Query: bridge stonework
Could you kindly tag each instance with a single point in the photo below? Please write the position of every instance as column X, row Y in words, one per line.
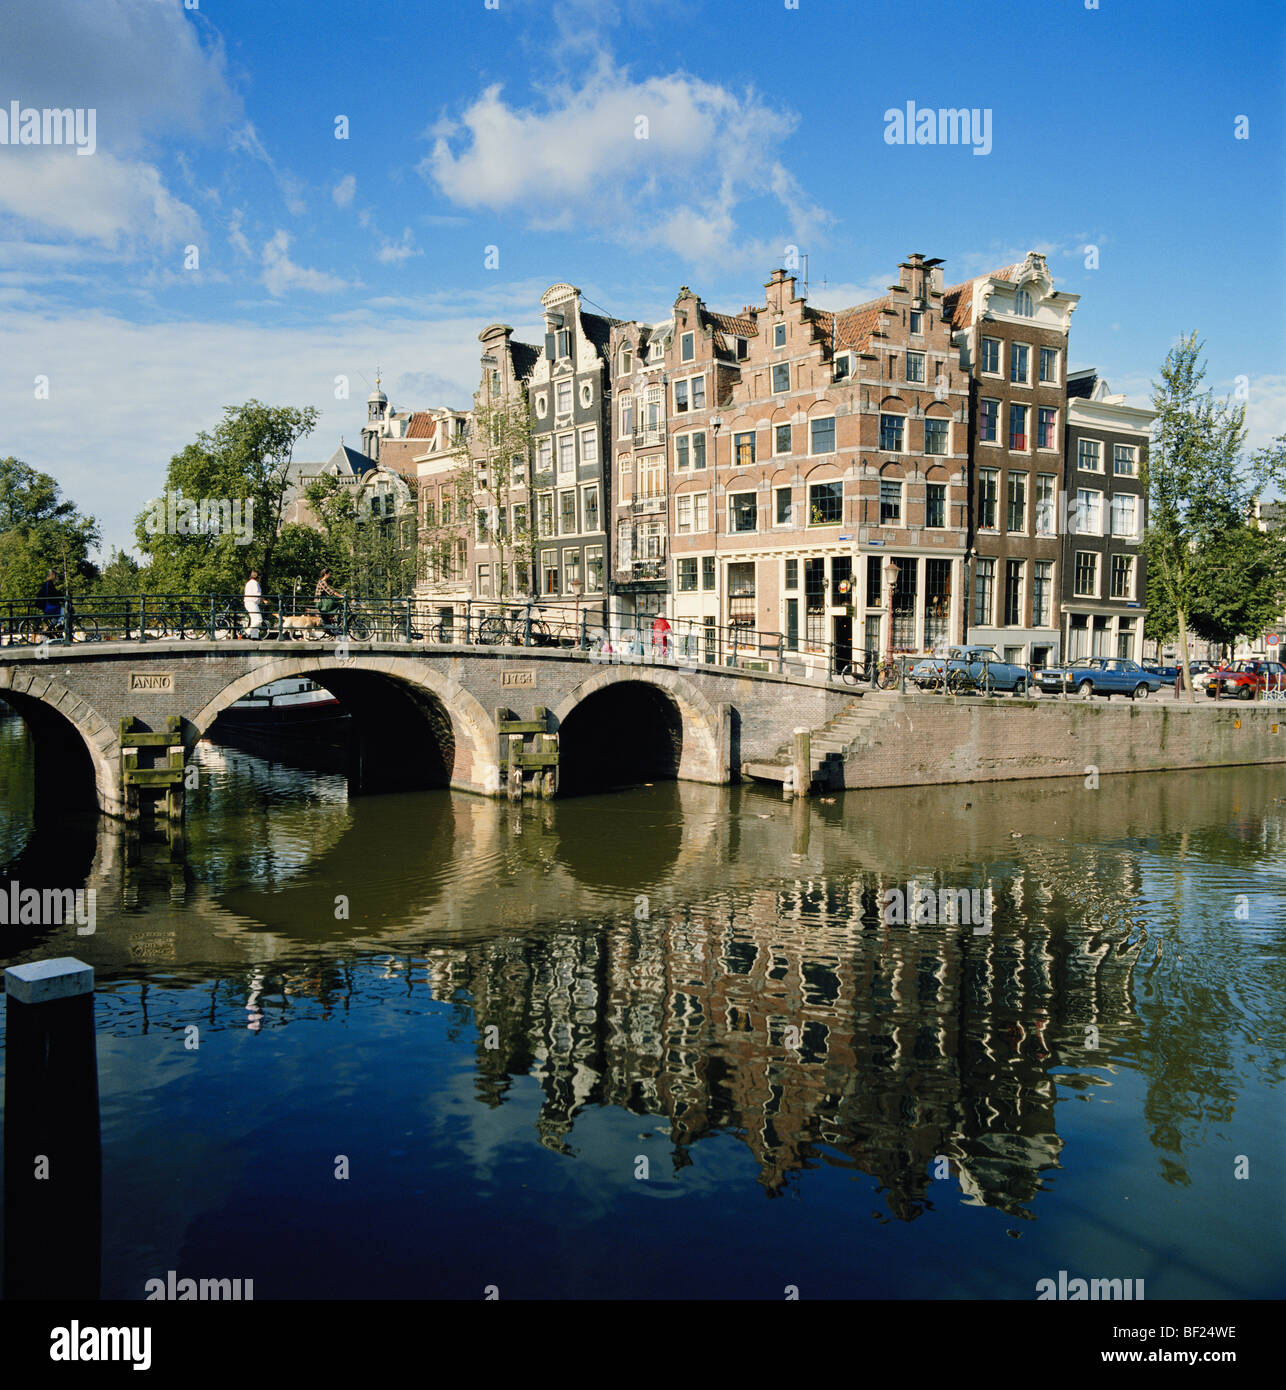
column 727, row 716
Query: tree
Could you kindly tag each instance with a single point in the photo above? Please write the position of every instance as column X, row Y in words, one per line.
column 122, row 574
column 370, row 553
column 1241, row 584
column 237, row 474
column 40, row 531
column 499, row 468
column 1196, row 483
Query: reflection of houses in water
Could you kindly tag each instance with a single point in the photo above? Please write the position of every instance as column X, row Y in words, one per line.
column 800, row 1023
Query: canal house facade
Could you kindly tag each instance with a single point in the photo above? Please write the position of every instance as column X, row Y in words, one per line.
column 1011, row 333
column 1104, row 586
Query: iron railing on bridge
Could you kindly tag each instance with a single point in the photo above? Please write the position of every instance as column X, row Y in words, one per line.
column 284, row 617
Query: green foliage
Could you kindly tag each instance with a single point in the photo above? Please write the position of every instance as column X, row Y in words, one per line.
column 244, row 461
column 1241, row 584
column 39, row 531
column 371, row 555
column 495, row 477
column 122, row 574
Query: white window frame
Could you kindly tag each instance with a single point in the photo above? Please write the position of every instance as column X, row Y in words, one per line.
column 1058, row 366
column 1054, row 432
column 590, row 490
column 817, row 420
column 778, row 335
column 682, row 508
column 1080, row 446
column 1076, row 567
column 589, row 437
column 1133, row 471
column 773, row 369
column 1132, row 499
column 559, row 444
column 687, row 347
column 982, row 356
column 1091, row 510
column 996, row 442
column 922, row 358
column 732, row 499
column 1025, row 379
column 559, row 387
column 1046, row 510
column 1130, row 571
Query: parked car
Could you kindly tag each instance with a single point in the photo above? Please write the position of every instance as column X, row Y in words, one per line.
column 1000, row 675
column 1168, row 674
column 1101, row 675
column 1244, row 680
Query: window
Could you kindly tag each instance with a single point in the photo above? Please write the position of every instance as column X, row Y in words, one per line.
column 781, row 439
column 917, row 321
column 1019, row 363
column 1086, row 574
column 1017, row 508
column 1049, row 366
column 815, row 600
column 915, row 366
column 785, row 511
column 1089, row 456
column 484, row 581
column 984, row 581
column 988, row 419
column 627, row 361
column 549, row 571
column 683, row 513
column 891, row 434
column 502, row 522
column 520, row 519
column 627, row 416
column 779, row 335
column 698, row 393
column 1124, row 460
column 874, row 584
column 1046, row 421
column 742, row 512
column 780, row 378
column 1045, row 520
column 1125, row 639
column 707, row 573
column 624, row 544
column 826, row 504
column 741, row 594
column 430, row 514
column 687, row 347
column 651, row 476
column 822, row 436
column 563, row 398
column 1023, row 304
column 461, row 508
column 1018, row 427
column 544, row 454
column 1122, row 576
column 1013, row 593
column 567, row 513
column 682, row 451
column 571, row 570
column 701, row 512
column 792, row 575
column 589, row 508
column 546, row 514
column 699, row 449
column 1124, row 513
column 566, row 454
column 743, row 349
column 653, row 423
column 1042, row 591
column 890, row 502
column 743, row 449
column 687, row 573
column 680, row 397
column 480, row 522
column 991, row 355
column 935, row 436
column 594, row 569
column 843, row 366
column 1089, row 512
column 988, row 492
column 563, row 343
column 935, row 504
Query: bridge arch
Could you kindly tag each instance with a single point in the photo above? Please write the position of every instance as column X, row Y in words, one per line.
column 391, row 698
column 688, row 729
column 77, row 757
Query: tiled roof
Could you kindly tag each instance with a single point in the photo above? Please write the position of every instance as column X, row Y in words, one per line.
column 598, row 330
column 853, row 327
column 422, row 425
column 957, row 302
column 525, row 357
column 738, row 325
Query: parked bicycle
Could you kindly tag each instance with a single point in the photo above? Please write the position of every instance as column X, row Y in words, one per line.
column 883, row 675
column 45, row 627
column 511, row 629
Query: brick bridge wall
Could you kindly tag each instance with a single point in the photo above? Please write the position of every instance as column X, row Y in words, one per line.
column 727, row 716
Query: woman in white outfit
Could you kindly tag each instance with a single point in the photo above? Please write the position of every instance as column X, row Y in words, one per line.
column 253, row 595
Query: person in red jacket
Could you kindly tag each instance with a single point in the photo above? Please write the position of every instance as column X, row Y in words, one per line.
column 661, row 634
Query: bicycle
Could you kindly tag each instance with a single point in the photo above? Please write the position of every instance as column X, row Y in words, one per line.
column 881, row 674
column 497, row 629
column 44, row 627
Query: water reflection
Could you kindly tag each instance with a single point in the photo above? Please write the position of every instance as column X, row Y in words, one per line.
column 717, row 960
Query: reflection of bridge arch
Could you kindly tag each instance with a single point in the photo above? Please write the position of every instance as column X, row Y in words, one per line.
column 395, row 703
column 681, row 716
column 75, row 747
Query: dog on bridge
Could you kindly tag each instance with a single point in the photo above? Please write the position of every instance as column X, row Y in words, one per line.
column 305, row 624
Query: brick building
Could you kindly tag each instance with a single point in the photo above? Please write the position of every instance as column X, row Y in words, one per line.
column 1011, row 329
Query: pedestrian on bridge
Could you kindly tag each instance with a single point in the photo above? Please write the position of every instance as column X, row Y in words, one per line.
column 253, row 600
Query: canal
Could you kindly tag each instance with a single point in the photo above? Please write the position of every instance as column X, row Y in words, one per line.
column 666, row 1042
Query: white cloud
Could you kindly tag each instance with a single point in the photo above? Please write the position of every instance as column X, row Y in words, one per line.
column 391, row 252
column 344, row 190
column 281, row 274
column 580, row 162
column 101, row 199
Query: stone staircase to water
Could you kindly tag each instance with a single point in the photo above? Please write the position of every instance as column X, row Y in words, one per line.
column 854, row 729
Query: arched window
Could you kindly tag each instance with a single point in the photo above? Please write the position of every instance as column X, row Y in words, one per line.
column 1023, row 304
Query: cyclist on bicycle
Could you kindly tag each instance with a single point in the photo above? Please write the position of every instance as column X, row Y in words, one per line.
column 328, row 599
column 50, row 598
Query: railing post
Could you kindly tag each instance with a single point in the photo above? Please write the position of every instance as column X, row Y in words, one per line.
column 583, row 641
column 526, row 626
column 468, row 621
column 142, row 618
column 211, row 618
column 127, row 620
column 901, row 675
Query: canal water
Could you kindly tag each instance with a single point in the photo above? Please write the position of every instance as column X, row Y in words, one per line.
column 663, row 1043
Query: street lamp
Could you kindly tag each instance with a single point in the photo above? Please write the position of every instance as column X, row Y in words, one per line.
column 890, row 578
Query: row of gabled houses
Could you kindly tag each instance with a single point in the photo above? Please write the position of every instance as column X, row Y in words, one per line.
column 918, row 470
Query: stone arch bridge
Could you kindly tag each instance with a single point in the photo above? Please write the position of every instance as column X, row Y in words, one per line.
column 421, row 716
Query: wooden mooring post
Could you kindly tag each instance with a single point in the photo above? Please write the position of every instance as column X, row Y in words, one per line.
column 802, row 762
column 53, row 1168
column 161, row 784
column 516, row 761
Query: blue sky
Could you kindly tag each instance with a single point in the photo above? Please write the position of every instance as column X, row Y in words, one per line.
column 516, row 128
